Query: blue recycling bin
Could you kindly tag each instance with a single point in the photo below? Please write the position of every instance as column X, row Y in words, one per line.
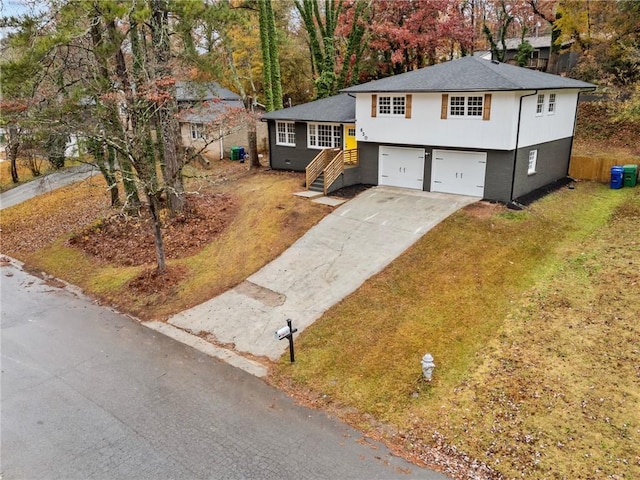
column 617, row 176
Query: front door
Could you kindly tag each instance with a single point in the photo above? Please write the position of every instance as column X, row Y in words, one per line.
column 350, row 142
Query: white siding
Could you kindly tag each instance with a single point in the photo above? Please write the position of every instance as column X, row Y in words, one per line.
column 425, row 127
column 535, row 129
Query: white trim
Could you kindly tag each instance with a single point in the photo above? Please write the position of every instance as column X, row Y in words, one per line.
column 335, row 136
column 397, row 105
column 464, row 105
column 551, row 107
column 196, row 130
column 288, row 134
column 540, row 105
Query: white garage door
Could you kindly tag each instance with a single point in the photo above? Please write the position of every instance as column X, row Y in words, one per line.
column 458, row 172
column 401, row 167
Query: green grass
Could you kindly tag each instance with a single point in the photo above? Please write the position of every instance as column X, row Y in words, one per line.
column 455, row 294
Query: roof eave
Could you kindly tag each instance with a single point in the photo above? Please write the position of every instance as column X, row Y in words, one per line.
column 449, row 90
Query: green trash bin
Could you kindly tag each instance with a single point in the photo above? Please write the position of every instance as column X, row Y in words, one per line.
column 235, row 153
column 630, row 175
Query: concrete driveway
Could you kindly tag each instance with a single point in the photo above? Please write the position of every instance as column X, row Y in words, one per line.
column 354, row 242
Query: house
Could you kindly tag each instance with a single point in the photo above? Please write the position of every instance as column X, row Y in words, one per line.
column 469, row 126
column 209, row 119
column 539, row 59
column 297, row 134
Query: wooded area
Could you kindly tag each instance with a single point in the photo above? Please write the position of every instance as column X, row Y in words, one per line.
column 106, row 71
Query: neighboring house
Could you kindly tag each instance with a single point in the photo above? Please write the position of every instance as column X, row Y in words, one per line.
column 468, row 126
column 539, row 58
column 208, row 119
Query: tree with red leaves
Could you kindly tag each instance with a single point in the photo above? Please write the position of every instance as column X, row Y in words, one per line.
column 411, row 34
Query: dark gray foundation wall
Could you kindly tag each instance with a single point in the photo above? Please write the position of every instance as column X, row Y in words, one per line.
column 497, row 178
column 552, row 164
column 295, row 158
column 290, row 158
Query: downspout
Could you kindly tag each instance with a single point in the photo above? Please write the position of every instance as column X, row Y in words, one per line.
column 515, row 152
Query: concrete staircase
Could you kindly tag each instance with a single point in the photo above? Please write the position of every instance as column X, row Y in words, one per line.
column 318, row 184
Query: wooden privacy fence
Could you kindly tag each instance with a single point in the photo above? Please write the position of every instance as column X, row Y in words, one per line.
column 593, row 168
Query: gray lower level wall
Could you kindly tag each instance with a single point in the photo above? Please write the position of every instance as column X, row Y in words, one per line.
column 350, row 176
column 497, row 179
column 552, row 164
column 290, row 158
column 296, row 158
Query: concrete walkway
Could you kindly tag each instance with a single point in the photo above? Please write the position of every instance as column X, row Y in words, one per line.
column 354, row 242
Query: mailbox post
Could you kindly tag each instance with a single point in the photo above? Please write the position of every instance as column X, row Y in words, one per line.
column 287, row 332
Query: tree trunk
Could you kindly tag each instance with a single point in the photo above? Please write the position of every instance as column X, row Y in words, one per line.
column 252, row 138
column 274, row 57
column 266, row 54
column 154, row 210
column 167, row 108
column 12, row 149
column 105, row 164
column 132, row 199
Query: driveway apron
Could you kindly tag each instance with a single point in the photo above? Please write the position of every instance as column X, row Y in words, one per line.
column 335, row 257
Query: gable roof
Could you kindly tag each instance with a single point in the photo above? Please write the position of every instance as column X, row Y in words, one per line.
column 336, row 109
column 209, row 111
column 195, row 91
column 469, row 74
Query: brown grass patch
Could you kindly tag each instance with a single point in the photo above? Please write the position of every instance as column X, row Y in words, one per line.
column 518, row 309
column 239, row 222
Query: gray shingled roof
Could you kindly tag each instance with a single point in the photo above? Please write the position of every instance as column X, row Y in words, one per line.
column 339, row 109
column 209, row 112
column 469, row 74
column 195, row 91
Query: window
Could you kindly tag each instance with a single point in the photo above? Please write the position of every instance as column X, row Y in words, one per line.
column 533, row 157
column 197, row 131
column 384, row 107
column 552, row 104
column 398, row 105
column 324, row 135
column 466, row 106
column 540, row 105
column 395, row 106
column 286, row 133
column 351, row 131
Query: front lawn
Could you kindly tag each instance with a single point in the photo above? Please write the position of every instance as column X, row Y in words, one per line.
column 532, row 318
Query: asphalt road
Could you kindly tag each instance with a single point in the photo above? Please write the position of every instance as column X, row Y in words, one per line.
column 89, row 394
column 45, row 184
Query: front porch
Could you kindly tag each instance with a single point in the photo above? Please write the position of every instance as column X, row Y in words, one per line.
column 328, row 166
